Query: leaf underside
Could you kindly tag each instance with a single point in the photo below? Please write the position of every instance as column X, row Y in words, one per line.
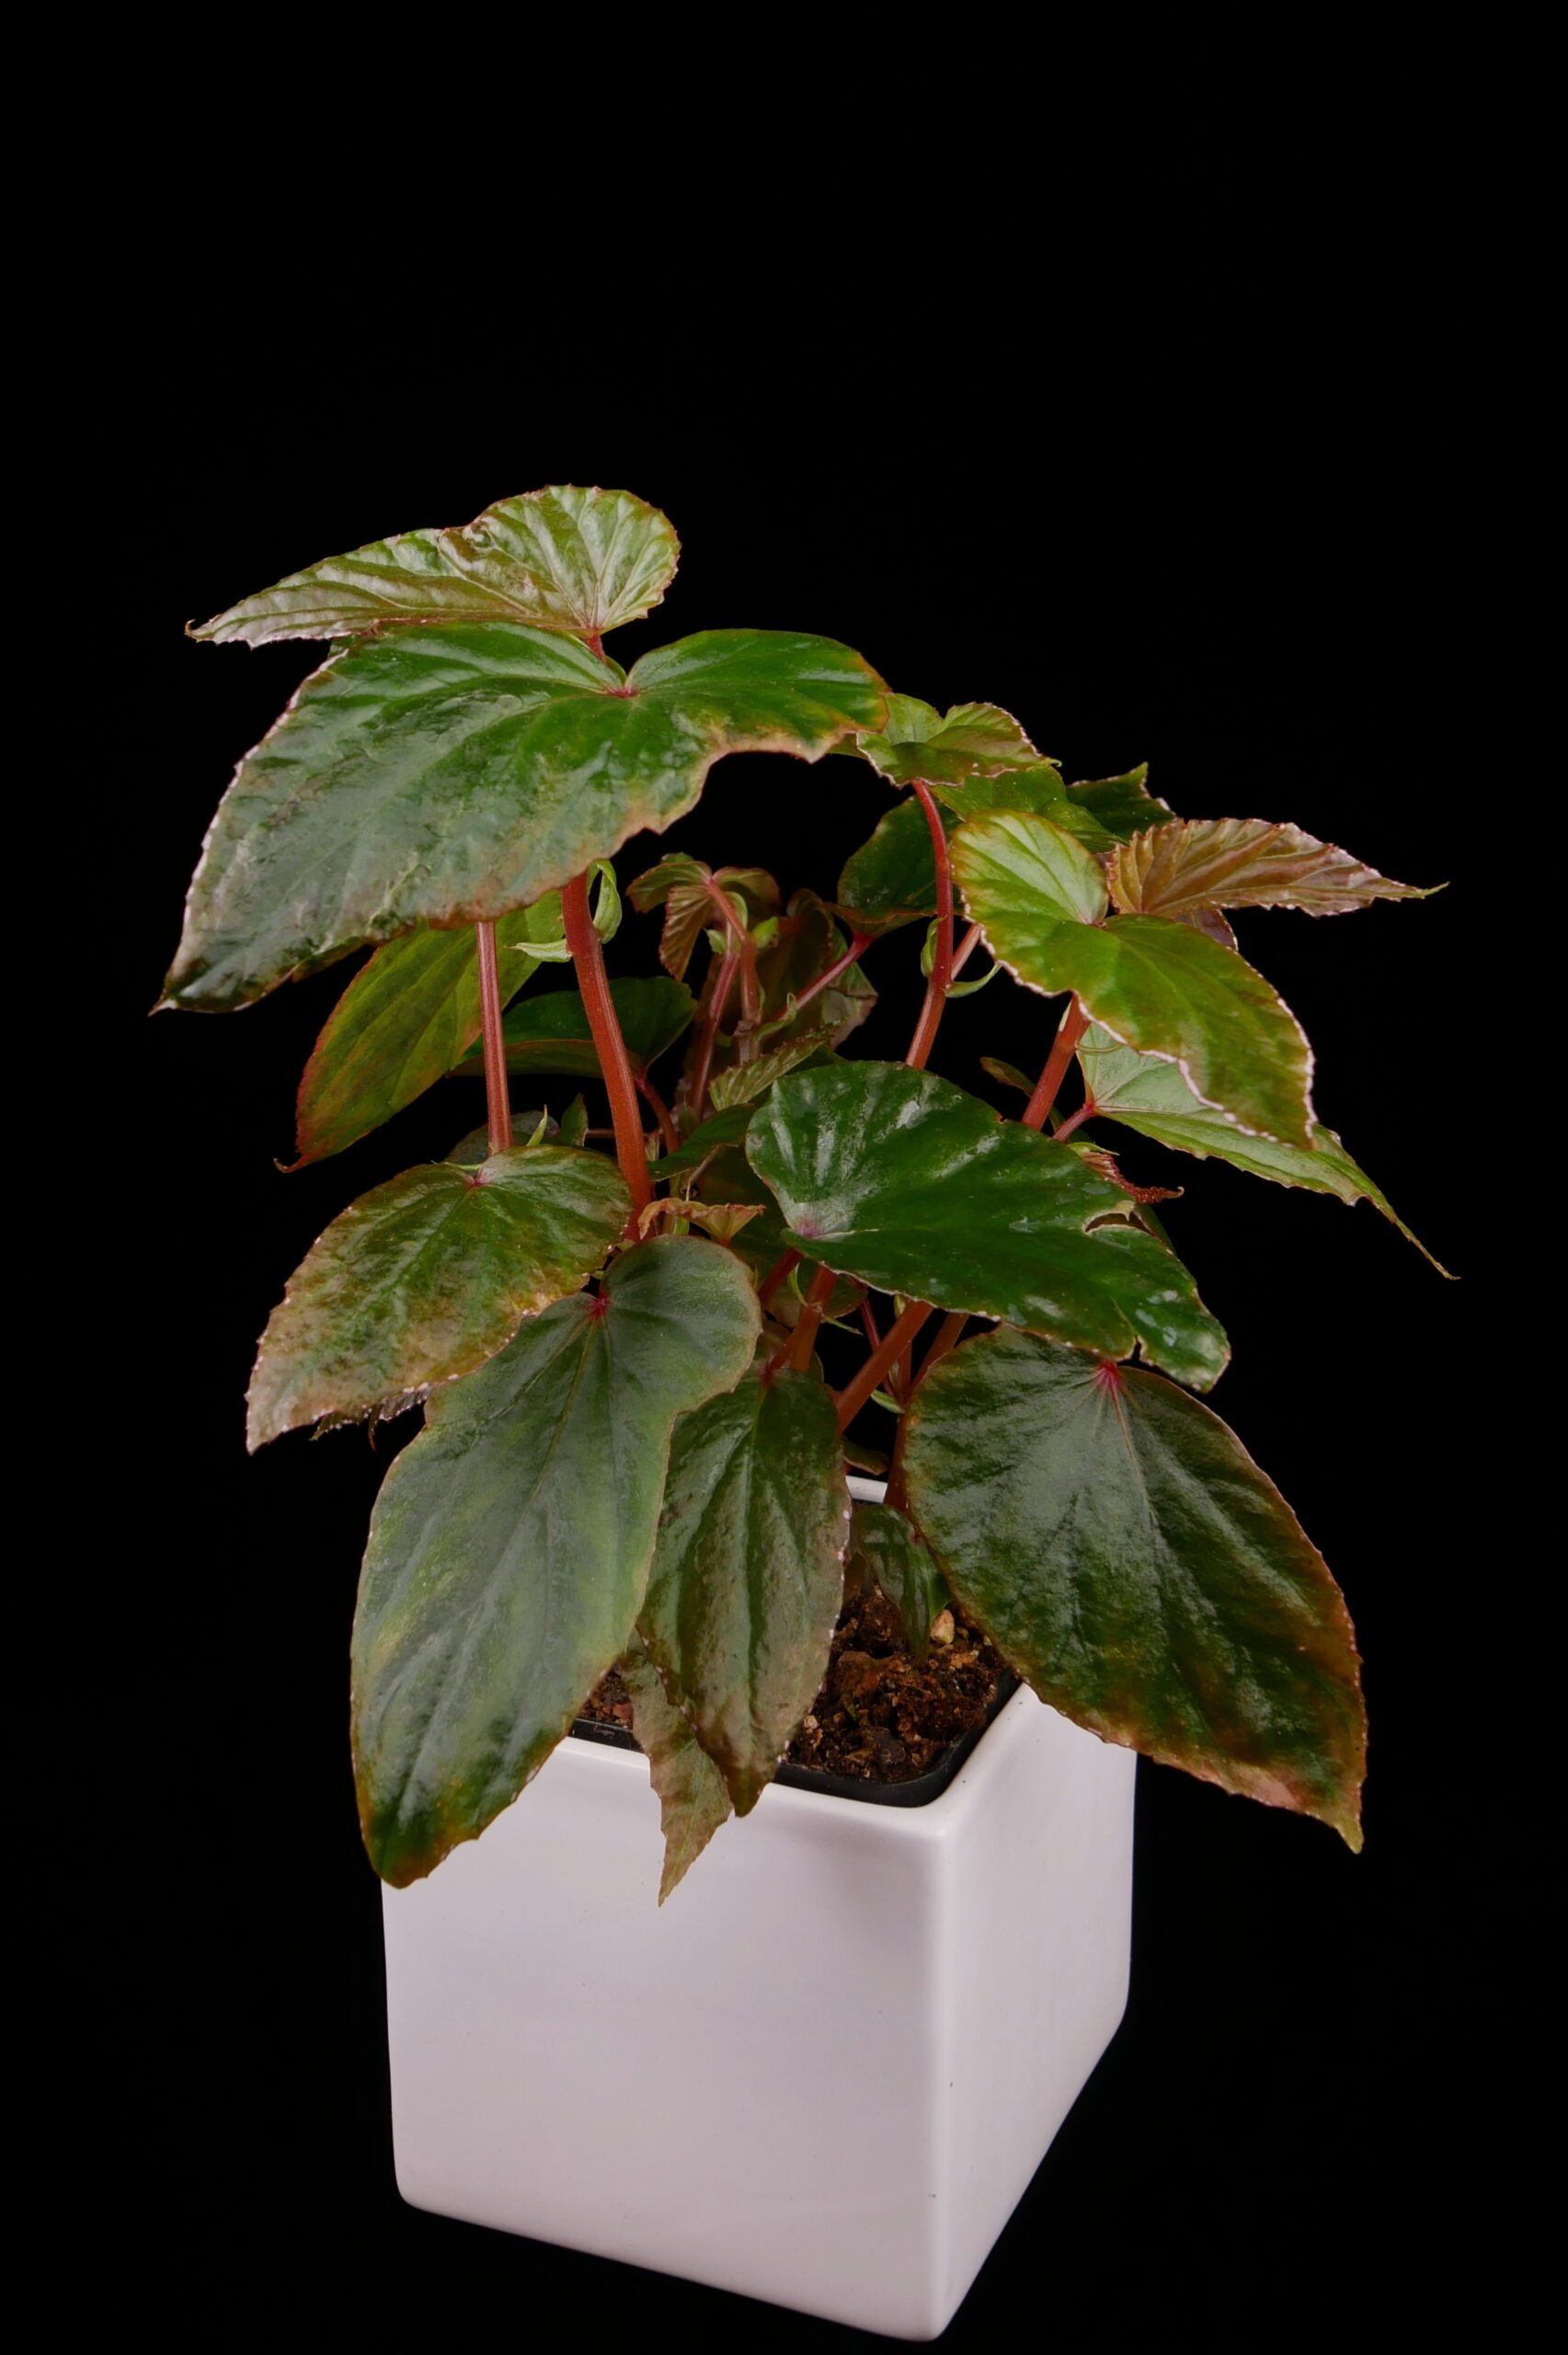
column 900, row 1178
column 1195, row 864
column 1128, row 1558
column 562, row 558
column 692, row 1800
column 444, row 775
column 510, row 1546
column 426, row 1278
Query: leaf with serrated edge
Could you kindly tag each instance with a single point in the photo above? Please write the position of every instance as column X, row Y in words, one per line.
column 401, row 1023
column 426, row 1278
column 886, row 1547
column 692, row 1800
column 679, row 885
column 972, row 739
column 748, row 1573
column 1099, row 813
column 1201, row 862
column 1152, row 1097
column 1159, row 986
column 1125, row 1554
column 444, row 775
column 562, row 558
column 900, row 1178
column 510, row 1546
column 743, row 1082
column 551, row 1034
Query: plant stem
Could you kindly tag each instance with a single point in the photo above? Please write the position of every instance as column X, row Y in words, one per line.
column 746, row 949
column 964, row 951
column 614, row 1064
column 498, row 1098
column 776, row 1275
column 797, row 1352
column 859, row 943
column 942, row 954
column 895, row 1341
column 1064, row 1046
column 1085, row 1111
column 721, row 981
column 948, row 1334
column 660, row 1110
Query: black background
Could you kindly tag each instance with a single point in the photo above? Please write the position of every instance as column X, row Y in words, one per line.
column 1223, row 531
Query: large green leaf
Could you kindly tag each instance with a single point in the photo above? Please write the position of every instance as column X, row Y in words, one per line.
column 1160, row 987
column 886, row 1547
column 510, row 1546
column 1100, row 813
column 560, row 558
column 900, row 1178
column 1152, row 1097
column 692, row 1800
column 1123, row 1551
column 426, row 1277
column 748, row 1574
column 1198, row 864
column 403, row 1021
column 441, row 776
column 972, row 739
column 551, row 1035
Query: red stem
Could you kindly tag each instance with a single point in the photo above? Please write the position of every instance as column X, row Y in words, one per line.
column 859, row 943
column 949, row 1333
column 1064, row 1046
column 710, row 1021
column 746, row 949
column 667, row 1128
column 942, row 954
column 776, row 1276
column 797, row 1350
column 964, row 951
column 895, row 1341
column 613, row 1061
column 1085, row 1111
column 498, row 1098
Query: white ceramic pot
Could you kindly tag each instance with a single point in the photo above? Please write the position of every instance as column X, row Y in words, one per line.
column 822, row 2074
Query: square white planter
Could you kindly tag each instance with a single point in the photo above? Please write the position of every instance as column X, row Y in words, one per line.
column 822, row 2074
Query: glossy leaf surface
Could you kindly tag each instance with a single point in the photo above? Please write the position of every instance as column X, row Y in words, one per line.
column 748, row 1574
column 401, row 1023
column 511, row 1544
column 693, row 1799
column 891, row 880
column 972, row 739
column 439, row 776
column 551, row 1034
column 899, row 1178
column 426, row 1277
column 560, row 558
column 1123, row 1551
column 1159, row 986
column 1100, row 813
column 1198, row 864
column 1152, row 1097
column 886, row 1547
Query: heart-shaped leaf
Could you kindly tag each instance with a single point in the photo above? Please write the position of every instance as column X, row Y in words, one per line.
column 560, row 558
column 1124, row 1552
column 748, row 1573
column 1152, row 1097
column 972, row 739
column 900, row 1178
column 426, row 1277
column 551, row 1034
column 693, row 1799
column 1159, row 986
column 1187, row 868
column 401, row 1023
column 442, row 776
column 886, row 1547
column 511, row 1544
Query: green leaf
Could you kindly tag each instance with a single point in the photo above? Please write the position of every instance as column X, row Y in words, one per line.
column 1123, row 1551
column 899, row 1178
column 972, row 739
column 527, row 1127
column 1159, row 986
column 743, row 1082
column 725, row 1127
column 401, row 1023
column 1152, row 1097
column 574, row 1121
column 511, row 1544
column 693, row 1799
column 1008, row 1074
column 886, row 1547
column 426, row 1278
column 1099, row 814
column 1198, row 864
column 748, row 1574
column 442, row 776
column 806, row 942
column 560, row 558
column 891, row 880
column 551, row 1034
column 685, row 888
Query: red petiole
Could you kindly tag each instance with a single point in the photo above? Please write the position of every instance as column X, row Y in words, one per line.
column 613, row 1061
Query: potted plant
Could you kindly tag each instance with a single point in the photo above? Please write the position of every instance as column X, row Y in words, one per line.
column 636, row 1506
